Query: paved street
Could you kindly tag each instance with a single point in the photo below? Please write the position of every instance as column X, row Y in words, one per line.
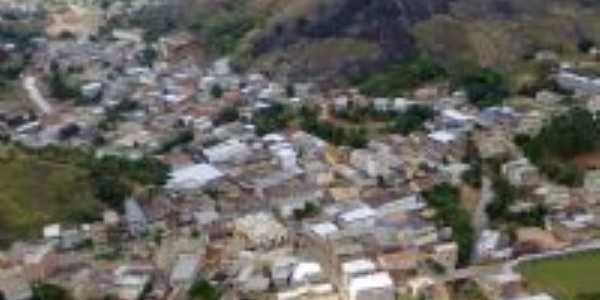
column 29, row 84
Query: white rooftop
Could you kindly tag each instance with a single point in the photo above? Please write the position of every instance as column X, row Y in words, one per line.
column 194, row 176
column 372, row 281
column 304, row 270
column 324, row 229
column 52, row 231
column 358, row 266
column 442, row 136
column 536, row 297
column 273, row 137
column 357, row 214
column 456, row 115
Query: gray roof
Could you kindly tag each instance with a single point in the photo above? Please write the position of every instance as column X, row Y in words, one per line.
column 185, row 269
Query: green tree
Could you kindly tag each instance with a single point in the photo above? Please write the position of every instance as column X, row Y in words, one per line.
column 45, row 291
column 396, row 80
column 203, row 290
column 445, row 200
column 227, row 115
column 62, row 86
column 413, row 119
column 216, row 91
column 148, row 56
column 290, row 91
column 485, row 87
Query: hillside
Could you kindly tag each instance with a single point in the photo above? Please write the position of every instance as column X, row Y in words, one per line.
column 35, row 192
column 322, row 39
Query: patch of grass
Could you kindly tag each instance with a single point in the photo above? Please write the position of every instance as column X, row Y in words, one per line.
column 35, row 192
column 568, row 278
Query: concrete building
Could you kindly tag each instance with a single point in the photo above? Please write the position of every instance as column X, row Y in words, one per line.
column 14, row 285
column 229, row 151
column 131, row 281
column 193, row 177
column 185, row 271
column 260, row 230
column 137, row 222
column 378, row 286
column 521, row 172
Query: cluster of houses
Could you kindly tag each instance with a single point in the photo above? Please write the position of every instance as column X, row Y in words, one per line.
column 286, row 215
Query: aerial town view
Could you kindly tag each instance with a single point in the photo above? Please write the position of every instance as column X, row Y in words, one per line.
column 300, row 149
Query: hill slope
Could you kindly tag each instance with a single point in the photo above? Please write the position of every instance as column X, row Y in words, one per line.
column 35, row 192
column 322, row 39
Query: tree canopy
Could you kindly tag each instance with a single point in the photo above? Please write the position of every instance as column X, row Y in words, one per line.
column 396, row 80
column 484, row 87
column 445, row 200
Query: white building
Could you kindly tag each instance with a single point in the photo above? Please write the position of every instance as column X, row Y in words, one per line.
column 323, row 230
column 306, row 272
column 521, row 172
column 131, row 281
column 193, row 177
column 488, row 242
column 378, row 286
column 229, row 151
column 356, row 268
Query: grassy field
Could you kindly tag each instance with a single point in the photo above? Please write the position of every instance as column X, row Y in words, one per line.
column 34, row 192
column 566, row 278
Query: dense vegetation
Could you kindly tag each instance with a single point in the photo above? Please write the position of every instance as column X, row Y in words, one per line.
column 181, row 138
column 413, row 119
column 203, row 290
column 278, row 117
column 505, row 195
column 396, row 80
column 13, row 63
column 309, row 210
column 273, row 118
column 403, row 122
column 355, row 137
column 63, row 85
column 564, row 137
column 484, row 87
column 227, row 115
column 445, row 200
column 472, row 157
column 45, row 291
column 226, row 28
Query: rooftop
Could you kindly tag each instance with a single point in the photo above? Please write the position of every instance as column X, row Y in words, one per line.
column 194, row 176
column 372, row 281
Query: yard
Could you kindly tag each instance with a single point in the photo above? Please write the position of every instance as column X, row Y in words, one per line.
column 573, row 277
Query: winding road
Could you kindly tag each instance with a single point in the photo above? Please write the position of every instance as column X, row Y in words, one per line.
column 29, row 84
